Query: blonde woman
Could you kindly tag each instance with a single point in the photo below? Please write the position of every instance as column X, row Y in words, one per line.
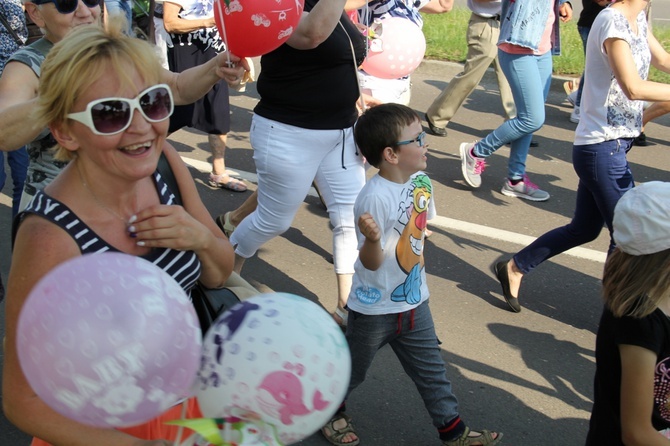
column 102, row 98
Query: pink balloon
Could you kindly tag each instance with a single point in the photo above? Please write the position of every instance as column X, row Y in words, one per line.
column 109, row 340
column 402, row 48
column 277, row 359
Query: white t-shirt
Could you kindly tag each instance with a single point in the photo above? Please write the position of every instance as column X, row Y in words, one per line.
column 401, row 212
column 606, row 113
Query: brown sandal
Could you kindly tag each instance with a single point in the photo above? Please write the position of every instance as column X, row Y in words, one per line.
column 485, row 438
column 336, row 435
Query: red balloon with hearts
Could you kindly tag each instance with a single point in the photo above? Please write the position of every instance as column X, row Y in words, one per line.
column 252, row 28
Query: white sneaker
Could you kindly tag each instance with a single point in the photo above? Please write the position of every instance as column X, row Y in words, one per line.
column 572, row 97
column 574, row 116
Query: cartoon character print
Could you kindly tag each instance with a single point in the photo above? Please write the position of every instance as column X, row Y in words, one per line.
column 662, row 388
column 409, row 250
column 281, row 394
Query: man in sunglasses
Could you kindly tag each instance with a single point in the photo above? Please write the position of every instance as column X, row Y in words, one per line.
column 20, row 80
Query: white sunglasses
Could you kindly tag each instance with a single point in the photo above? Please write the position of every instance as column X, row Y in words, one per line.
column 109, row 116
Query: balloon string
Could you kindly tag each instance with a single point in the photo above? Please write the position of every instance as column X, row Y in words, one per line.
column 180, row 430
column 223, row 31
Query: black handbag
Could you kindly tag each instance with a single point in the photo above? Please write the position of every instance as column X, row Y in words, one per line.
column 209, row 303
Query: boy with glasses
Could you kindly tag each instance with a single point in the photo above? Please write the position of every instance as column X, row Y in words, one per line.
column 388, row 303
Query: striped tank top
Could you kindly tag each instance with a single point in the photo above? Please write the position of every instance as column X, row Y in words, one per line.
column 183, row 266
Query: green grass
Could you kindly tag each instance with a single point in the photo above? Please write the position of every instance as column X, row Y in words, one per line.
column 445, row 40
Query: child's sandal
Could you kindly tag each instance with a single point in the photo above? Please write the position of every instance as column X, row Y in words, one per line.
column 485, row 438
column 335, row 436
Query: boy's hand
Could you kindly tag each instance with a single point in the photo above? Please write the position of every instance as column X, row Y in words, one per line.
column 369, row 228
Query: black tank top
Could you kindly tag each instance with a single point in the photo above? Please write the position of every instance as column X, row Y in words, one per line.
column 183, row 266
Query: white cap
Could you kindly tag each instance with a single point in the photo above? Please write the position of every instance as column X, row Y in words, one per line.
column 642, row 219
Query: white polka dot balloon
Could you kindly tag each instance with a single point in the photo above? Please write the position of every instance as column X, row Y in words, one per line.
column 402, row 48
column 275, row 357
column 109, row 340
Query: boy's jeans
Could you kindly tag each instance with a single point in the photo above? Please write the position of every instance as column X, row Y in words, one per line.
column 417, row 348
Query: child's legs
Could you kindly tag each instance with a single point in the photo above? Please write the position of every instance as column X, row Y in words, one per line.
column 531, row 114
column 419, row 353
column 527, row 78
column 366, row 334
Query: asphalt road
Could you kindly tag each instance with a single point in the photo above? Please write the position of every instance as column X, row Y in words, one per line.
column 528, row 375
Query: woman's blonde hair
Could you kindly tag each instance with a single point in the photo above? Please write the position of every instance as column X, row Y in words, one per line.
column 634, row 285
column 80, row 59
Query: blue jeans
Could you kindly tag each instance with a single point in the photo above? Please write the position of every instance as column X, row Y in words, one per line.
column 417, row 348
column 123, row 8
column 584, row 34
column 18, row 165
column 604, row 176
column 529, row 77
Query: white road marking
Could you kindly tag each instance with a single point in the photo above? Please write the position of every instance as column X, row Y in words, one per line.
column 440, row 222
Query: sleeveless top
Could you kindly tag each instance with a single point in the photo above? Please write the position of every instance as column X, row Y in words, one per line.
column 43, row 167
column 183, row 266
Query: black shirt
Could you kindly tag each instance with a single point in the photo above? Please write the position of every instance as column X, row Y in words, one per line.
column 314, row 89
column 651, row 332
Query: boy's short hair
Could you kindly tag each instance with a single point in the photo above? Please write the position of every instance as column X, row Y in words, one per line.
column 380, row 127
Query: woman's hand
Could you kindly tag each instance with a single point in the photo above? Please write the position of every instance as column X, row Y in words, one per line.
column 231, row 68
column 165, row 226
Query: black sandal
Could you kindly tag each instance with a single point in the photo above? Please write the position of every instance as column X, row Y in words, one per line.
column 336, row 435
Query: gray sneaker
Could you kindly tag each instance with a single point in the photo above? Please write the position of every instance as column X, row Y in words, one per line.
column 525, row 189
column 471, row 166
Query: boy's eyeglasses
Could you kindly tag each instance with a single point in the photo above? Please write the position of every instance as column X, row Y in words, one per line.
column 109, row 116
column 67, row 6
column 420, row 140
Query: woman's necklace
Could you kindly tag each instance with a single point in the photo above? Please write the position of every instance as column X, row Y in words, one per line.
column 95, row 198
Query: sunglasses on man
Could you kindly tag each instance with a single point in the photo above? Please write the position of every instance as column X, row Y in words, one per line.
column 67, row 6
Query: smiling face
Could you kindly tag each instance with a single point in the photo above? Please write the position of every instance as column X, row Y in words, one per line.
column 57, row 25
column 411, row 157
column 132, row 153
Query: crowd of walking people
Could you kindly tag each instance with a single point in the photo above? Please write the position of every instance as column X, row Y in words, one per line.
column 85, row 113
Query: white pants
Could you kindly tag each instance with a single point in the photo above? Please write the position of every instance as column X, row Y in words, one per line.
column 288, row 159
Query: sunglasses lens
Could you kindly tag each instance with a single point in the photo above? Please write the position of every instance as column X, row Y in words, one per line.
column 110, row 116
column 156, row 104
column 66, row 6
column 421, row 139
column 91, row 3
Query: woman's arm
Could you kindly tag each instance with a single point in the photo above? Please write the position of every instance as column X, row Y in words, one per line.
column 192, row 84
column 41, row 246
column 176, row 25
column 18, row 93
column 187, row 228
column 437, row 6
column 623, row 66
column 660, row 58
column 637, row 397
column 317, row 25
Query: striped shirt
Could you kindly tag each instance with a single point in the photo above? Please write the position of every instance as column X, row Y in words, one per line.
column 183, row 266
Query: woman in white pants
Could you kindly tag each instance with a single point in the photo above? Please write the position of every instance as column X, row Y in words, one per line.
column 302, row 131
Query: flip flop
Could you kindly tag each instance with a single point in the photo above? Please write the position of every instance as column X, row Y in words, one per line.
column 233, row 184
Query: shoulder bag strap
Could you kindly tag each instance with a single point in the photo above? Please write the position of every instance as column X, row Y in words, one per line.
column 6, row 24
